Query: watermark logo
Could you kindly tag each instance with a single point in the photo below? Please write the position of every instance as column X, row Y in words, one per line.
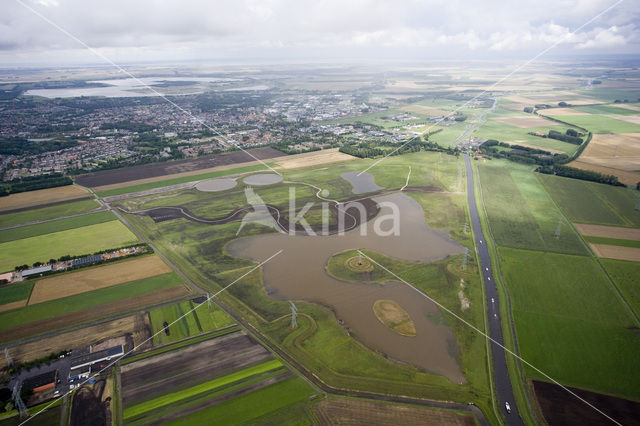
column 329, row 217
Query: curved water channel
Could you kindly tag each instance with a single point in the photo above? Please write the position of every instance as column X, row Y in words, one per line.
column 299, row 273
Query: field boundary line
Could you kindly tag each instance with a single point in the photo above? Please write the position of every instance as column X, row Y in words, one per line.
column 493, row 248
column 494, row 400
column 123, row 70
column 594, row 256
column 450, row 312
column 118, row 358
column 500, row 81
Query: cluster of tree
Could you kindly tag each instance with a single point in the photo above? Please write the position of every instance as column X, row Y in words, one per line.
column 563, row 104
column 528, row 110
column 31, row 183
column 459, row 117
column 369, row 150
column 143, row 248
column 521, row 154
column 17, row 367
column 16, row 146
column 572, row 172
column 128, row 125
column 570, row 136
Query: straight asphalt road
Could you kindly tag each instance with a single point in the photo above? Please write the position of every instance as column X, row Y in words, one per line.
column 500, row 372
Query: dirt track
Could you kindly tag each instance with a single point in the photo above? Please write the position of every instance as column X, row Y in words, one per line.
column 171, row 371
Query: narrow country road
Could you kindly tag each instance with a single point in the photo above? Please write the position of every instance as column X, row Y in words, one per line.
column 500, row 371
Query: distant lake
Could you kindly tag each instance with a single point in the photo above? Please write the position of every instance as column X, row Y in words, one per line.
column 131, row 87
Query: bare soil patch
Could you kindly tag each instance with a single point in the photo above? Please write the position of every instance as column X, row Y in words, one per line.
column 95, row 278
column 13, row 305
column 88, row 407
column 85, row 315
column 151, row 377
column 343, row 411
column 171, row 169
column 393, row 316
column 42, row 196
column 616, row 232
column 617, row 154
column 134, row 328
column 562, row 112
column 526, row 122
column 627, row 106
column 635, row 119
column 313, row 159
column 616, row 252
column 424, row 109
column 559, row 407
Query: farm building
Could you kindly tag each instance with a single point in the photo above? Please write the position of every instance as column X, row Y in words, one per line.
column 35, row 271
column 41, row 382
column 85, row 364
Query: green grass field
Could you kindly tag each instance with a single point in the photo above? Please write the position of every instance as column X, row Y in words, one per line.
column 53, row 308
column 503, row 132
column 174, row 397
column 594, row 203
column 600, row 123
column 605, row 110
column 570, row 321
column 8, row 219
column 83, row 240
column 175, row 181
column 521, row 212
column 55, row 226
column 254, row 405
column 13, row 292
column 188, row 319
column 627, row 277
column 320, row 342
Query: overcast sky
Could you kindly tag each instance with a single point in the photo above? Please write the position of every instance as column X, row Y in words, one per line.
column 298, row 30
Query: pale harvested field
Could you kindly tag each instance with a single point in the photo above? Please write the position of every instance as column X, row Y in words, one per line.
column 551, row 150
column 42, row 196
column 313, row 158
column 616, row 232
column 617, row 154
column 136, row 326
column 175, row 175
column 635, row 119
column 348, row 411
column 423, row 109
column 95, row 278
column 627, row 106
column 13, row 305
column 525, row 122
column 628, row 178
column 522, row 100
column 616, row 252
column 562, row 112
